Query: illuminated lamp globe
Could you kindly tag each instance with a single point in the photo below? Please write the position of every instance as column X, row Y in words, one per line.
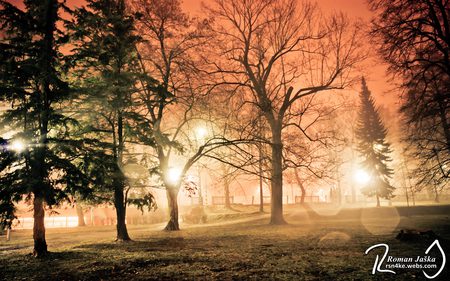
column 362, row 176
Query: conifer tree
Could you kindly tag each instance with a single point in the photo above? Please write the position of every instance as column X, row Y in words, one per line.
column 373, row 147
column 106, row 64
column 37, row 157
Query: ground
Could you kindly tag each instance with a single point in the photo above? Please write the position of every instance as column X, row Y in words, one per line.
column 317, row 244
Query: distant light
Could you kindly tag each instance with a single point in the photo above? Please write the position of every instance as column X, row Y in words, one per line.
column 17, row 146
column 49, row 222
column 173, row 175
column 190, row 178
column 201, row 132
column 362, row 176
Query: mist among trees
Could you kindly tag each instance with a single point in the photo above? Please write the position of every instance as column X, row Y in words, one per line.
column 107, row 101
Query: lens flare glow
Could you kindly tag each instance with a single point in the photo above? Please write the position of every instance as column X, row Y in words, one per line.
column 17, row 146
column 380, row 221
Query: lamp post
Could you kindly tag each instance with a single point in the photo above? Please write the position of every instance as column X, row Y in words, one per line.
column 200, row 135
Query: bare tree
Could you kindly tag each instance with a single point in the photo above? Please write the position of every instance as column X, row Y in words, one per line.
column 283, row 51
column 166, row 55
column 318, row 160
column 183, row 128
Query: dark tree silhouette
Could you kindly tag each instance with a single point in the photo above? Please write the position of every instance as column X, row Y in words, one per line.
column 413, row 37
column 373, row 148
column 36, row 160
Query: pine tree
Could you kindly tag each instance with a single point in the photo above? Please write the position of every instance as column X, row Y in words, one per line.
column 373, row 148
column 38, row 157
column 106, row 58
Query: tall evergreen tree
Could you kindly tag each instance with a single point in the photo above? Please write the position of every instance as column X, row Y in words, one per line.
column 373, row 147
column 106, row 58
column 36, row 158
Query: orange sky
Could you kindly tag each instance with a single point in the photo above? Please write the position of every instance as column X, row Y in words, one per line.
column 375, row 72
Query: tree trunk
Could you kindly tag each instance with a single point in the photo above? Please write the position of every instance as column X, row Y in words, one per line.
column 119, row 187
column 353, row 182
column 406, row 195
column 260, row 163
column 44, row 109
column 276, row 210
column 409, row 183
column 261, row 193
column 302, row 198
column 339, row 189
column 80, row 215
column 40, row 245
column 119, row 204
column 378, row 201
column 413, row 195
column 226, row 186
column 444, row 122
column 436, row 195
column 302, row 187
column 172, row 200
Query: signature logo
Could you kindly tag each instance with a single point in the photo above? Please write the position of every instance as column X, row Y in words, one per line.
column 421, row 262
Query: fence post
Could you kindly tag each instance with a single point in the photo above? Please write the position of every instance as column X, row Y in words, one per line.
column 92, row 215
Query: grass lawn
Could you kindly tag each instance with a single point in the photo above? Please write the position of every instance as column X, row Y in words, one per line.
column 313, row 246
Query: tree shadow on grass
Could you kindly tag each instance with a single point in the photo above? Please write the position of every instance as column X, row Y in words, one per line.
column 164, row 244
column 96, row 262
column 67, row 255
column 61, row 265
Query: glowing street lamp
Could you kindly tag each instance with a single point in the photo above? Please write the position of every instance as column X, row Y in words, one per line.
column 200, row 133
column 362, row 176
column 173, row 175
column 18, row 146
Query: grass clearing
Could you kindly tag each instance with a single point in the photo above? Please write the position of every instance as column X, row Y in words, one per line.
column 310, row 247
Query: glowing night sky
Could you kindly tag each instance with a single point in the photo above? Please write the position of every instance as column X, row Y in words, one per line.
column 374, row 71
